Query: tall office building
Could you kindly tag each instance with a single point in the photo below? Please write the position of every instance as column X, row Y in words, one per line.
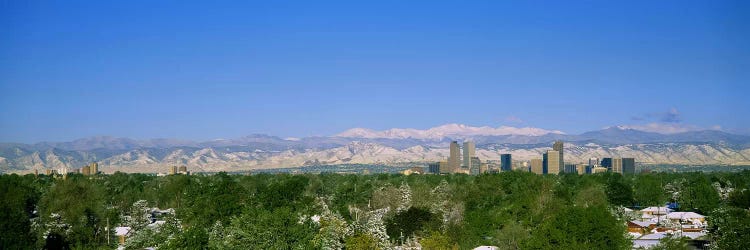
column 445, row 168
column 506, row 163
column 628, row 165
column 454, row 160
column 571, row 168
column 94, row 168
column 558, row 146
column 551, row 162
column 607, row 163
column 617, row 165
column 536, row 166
column 475, row 166
column 86, row 170
column 433, row 168
column 469, row 151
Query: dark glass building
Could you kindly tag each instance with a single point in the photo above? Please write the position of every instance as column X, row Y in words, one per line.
column 506, row 163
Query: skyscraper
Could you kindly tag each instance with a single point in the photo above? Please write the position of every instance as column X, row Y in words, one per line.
column 94, row 168
column 558, row 146
column 433, row 168
column 475, row 166
column 444, row 168
column 536, row 166
column 455, row 157
column 607, row 163
column 551, row 162
column 506, row 163
column 617, row 165
column 628, row 165
column 469, row 152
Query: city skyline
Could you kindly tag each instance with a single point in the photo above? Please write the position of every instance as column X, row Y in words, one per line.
column 320, row 68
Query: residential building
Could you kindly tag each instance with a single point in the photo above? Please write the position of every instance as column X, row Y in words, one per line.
column 506, row 162
column 655, row 211
column 641, row 227
column 122, row 233
column 551, row 162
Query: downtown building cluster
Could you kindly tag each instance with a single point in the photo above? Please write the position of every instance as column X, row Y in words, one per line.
column 89, row 169
column 551, row 162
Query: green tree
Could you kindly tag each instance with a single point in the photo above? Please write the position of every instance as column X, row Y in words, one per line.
column 80, row 204
column 264, row 229
column 618, row 191
column 17, row 203
column 648, row 191
column 437, row 241
column 740, row 198
column 409, row 222
column 699, row 196
column 580, row 228
column 730, row 228
column 361, row 242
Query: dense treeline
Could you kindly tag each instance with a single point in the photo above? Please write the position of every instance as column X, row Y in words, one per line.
column 511, row 210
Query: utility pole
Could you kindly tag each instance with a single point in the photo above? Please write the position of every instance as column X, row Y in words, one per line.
column 107, row 229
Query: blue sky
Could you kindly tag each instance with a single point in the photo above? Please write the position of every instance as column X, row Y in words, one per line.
column 199, row 70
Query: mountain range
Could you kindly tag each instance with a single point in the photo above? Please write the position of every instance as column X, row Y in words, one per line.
column 367, row 146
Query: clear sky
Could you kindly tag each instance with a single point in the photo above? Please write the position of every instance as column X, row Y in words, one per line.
column 142, row 69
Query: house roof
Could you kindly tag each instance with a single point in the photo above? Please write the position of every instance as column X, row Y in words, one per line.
column 122, row 231
column 693, row 235
column 642, row 223
column 684, row 215
column 486, row 248
column 657, row 209
column 653, row 236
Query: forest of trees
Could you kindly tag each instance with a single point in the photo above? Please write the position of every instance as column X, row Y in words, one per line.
column 511, row 210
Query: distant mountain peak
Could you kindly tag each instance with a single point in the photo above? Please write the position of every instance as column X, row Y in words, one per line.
column 445, row 131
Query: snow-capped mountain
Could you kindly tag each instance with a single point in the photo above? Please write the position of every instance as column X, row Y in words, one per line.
column 444, row 131
column 394, row 146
